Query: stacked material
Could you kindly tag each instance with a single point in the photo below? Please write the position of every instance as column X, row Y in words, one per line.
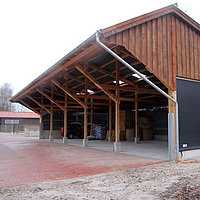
column 130, row 134
column 100, row 132
column 146, row 124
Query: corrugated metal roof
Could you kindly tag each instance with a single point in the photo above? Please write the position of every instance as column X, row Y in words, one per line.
column 9, row 114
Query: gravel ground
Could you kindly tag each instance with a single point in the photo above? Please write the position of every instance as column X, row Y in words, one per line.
column 161, row 181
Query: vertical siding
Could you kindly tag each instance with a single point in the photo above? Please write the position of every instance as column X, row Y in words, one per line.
column 131, row 45
column 149, row 45
column 164, row 54
column 144, row 42
column 126, row 39
column 155, row 46
column 191, row 54
column 160, row 48
column 188, row 51
column 169, row 51
column 151, row 42
column 198, row 54
column 196, row 59
column 178, row 47
column 183, row 54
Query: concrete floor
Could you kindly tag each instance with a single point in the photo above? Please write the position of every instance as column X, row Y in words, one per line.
column 154, row 149
column 148, row 149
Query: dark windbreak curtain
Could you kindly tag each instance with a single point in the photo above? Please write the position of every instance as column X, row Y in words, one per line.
column 188, row 93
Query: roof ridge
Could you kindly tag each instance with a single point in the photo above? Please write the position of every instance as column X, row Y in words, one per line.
column 147, row 17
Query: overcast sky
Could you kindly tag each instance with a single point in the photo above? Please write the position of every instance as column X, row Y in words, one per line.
column 35, row 34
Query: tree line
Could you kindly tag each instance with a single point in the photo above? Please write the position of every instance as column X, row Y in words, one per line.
column 6, row 93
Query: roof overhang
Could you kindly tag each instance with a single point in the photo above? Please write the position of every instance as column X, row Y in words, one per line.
column 101, row 66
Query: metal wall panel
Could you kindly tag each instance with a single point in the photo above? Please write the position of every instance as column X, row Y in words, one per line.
column 188, row 94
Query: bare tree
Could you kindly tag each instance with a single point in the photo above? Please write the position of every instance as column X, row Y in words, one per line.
column 6, row 92
column 20, row 108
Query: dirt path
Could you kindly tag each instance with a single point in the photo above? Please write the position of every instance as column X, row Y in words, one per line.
column 160, row 181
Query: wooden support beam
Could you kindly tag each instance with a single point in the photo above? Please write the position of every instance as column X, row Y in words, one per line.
column 65, row 112
column 136, row 114
column 31, row 98
column 77, row 116
column 172, row 109
column 117, row 104
column 95, row 68
column 107, row 73
column 130, row 74
column 80, row 55
column 91, row 118
column 41, row 122
column 25, row 104
column 102, row 66
column 131, row 89
column 86, row 100
column 110, row 118
column 128, row 53
column 141, row 79
column 117, row 120
column 52, row 101
column 110, row 95
column 147, row 111
column 51, row 115
column 69, row 93
column 81, row 81
column 67, row 66
column 85, row 122
column 93, row 96
column 147, row 85
column 57, row 94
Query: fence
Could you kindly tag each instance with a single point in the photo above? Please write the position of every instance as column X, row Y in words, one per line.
column 27, row 130
column 12, row 128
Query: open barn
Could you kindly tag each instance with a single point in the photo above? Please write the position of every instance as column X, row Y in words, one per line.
column 133, row 75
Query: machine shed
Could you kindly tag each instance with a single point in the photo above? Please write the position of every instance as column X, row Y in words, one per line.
column 162, row 46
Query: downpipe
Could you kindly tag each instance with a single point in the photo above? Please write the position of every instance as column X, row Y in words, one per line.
column 98, row 33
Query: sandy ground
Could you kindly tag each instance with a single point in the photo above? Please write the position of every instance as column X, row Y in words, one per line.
column 161, row 181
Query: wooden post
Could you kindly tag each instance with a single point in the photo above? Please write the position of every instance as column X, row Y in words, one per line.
column 85, row 122
column 41, row 122
column 77, row 115
column 65, row 112
column 147, row 111
column 65, row 122
column 91, row 118
column 117, row 113
column 172, row 109
column 51, row 123
column 85, row 142
column 51, row 117
column 136, row 117
column 41, row 118
column 117, row 107
column 110, row 121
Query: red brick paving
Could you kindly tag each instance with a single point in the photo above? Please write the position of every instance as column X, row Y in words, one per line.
column 26, row 160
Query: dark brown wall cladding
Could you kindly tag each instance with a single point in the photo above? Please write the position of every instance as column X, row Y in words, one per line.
column 153, row 44
column 187, row 51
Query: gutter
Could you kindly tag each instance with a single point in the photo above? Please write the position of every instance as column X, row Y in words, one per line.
column 98, row 34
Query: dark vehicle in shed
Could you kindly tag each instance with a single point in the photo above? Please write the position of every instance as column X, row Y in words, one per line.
column 73, row 129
